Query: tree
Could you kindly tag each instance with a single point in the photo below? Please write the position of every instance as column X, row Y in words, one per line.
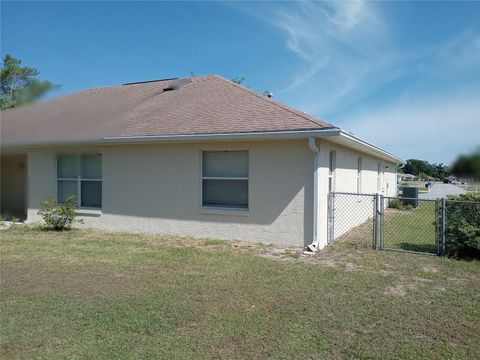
column 467, row 166
column 19, row 84
column 415, row 167
column 440, row 171
column 424, row 169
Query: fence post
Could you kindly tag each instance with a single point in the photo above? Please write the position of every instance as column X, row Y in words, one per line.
column 381, row 217
column 444, row 227
column 376, row 222
column 438, row 237
column 331, row 218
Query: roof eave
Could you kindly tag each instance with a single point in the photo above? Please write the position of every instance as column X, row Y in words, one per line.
column 257, row 135
column 362, row 145
column 336, row 135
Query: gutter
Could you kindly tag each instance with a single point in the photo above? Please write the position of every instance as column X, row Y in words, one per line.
column 296, row 134
column 316, row 168
column 333, row 132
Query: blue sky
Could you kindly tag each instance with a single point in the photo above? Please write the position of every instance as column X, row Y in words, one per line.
column 403, row 75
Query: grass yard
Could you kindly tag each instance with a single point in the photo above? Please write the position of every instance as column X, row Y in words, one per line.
column 412, row 230
column 89, row 294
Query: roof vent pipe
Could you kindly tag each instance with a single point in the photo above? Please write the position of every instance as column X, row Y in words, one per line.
column 268, row 94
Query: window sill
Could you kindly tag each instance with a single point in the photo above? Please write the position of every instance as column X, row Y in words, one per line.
column 223, row 211
column 88, row 212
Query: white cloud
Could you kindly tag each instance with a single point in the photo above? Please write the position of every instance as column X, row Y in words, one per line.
column 459, row 54
column 327, row 35
column 348, row 61
column 344, row 52
column 436, row 129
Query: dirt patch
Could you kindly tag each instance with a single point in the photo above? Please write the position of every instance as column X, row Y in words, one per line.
column 397, row 291
column 384, row 272
column 430, row 269
column 327, row 262
column 353, row 267
column 418, row 279
column 456, row 280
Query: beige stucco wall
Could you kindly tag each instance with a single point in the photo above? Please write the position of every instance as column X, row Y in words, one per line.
column 156, row 188
column 13, row 185
column 351, row 211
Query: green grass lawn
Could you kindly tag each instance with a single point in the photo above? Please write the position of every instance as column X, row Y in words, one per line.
column 87, row 294
column 412, row 230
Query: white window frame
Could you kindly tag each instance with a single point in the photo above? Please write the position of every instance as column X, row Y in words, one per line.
column 224, row 209
column 332, row 169
column 78, row 179
column 359, row 174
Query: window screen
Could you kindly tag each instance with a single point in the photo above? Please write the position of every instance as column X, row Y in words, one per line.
column 225, row 179
column 81, row 176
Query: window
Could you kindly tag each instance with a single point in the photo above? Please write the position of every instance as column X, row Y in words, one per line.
column 359, row 175
column 225, row 179
column 80, row 175
column 379, row 177
column 332, row 164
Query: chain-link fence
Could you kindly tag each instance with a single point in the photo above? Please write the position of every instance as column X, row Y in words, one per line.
column 350, row 217
column 403, row 224
column 409, row 224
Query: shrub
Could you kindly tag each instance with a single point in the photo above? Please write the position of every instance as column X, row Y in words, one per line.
column 463, row 226
column 395, row 204
column 58, row 216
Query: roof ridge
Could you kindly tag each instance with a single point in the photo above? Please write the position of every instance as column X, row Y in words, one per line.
column 148, row 81
column 274, row 102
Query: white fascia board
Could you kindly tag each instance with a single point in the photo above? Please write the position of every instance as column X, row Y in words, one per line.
column 297, row 134
column 112, row 140
column 352, row 141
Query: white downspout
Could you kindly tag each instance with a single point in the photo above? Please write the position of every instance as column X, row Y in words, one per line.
column 316, row 168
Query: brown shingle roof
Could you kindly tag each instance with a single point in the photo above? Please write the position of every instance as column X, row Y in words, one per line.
column 206, row 105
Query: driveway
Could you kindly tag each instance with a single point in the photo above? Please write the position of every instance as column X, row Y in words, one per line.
column 442, row 190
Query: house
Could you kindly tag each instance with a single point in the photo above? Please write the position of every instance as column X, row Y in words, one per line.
column 407, row 177
column 203, row 157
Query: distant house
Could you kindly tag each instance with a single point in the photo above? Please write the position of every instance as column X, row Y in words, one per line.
column 407, row 177
column 203, row 157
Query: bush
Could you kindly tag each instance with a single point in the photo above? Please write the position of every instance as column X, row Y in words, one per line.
column 58, row 216
column 398, row 204
column 463, row 226
column 395, row 204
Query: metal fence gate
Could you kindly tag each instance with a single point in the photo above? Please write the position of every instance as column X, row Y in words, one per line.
column 351, row 216
column 395, row 223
